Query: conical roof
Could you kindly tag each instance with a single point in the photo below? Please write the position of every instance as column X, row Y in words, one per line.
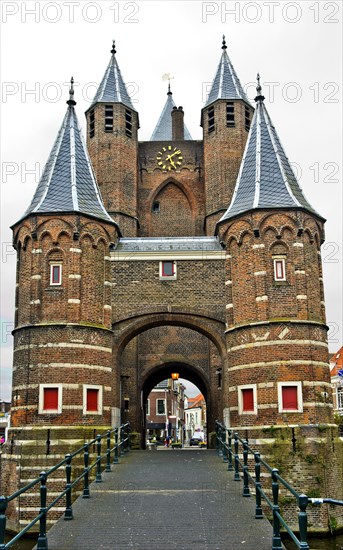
column 163, row 130
column 68, row 183
column 112, row 88
column 226, row 84
column 266, row 179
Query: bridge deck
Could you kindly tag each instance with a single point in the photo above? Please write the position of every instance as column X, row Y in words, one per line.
column 184, row 499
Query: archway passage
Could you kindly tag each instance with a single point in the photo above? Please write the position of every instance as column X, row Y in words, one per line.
column 164, row 402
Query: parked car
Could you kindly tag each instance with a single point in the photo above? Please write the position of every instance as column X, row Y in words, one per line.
column 196, row 439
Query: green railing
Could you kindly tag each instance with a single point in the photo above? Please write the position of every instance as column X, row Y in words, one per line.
column 121, row 438
column 227, row 445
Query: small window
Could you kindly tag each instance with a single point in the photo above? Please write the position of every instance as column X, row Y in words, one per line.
column 147, row 407
column 247, row 119
column 108, row 118
column 290, row 397
column 50, row 399
column 279, row 269
column 92, row 399
column 230, row 114
column 168, row 270
column 128, row 123
column 91, row 124
column 247, row 399
column 210, row 114
column 55, row 274
column 155, row 206
column 160, row 406
column 126, row 404
column 219, row 380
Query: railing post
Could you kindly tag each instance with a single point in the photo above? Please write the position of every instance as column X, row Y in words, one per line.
column 229, row 466
column 217, row 436
column 128, row 446
column 236, row 476
column 122, row 437
column 68, row 513
column 220, row 433
column 246, row 490
column 42, row 541
column 3, row 507
column 302, row 518
column 225, row 451
column 108, row 452
column 258, row 508
column 276, row 522
column 98, row 477
column 116, row 453
column 86, row 471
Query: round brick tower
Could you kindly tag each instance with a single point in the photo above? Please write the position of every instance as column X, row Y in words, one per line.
column 112, row 128
column 275, row 318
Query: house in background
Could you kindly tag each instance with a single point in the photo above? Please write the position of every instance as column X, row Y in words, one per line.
column 5, row 415
column 165, row 411
column 336, row 372
column 195, row 415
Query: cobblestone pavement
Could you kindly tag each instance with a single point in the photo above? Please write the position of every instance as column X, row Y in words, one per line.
column 164, row 500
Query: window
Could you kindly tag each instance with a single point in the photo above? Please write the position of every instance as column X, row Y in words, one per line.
column 290, row 397
column 168, row 270
column 108, row 118
column 247, row 399
column 247, row 119
column 50, row 399
column 210, row 114
column 147, row 407
column 340, row 398
column 56, row 274
column 230, row 114
column 92, row 399
column 279, row 269
column 219, row 379
column 160, row 406
column 91, row 124
column 128, row 123
column 126, row 404
column 155, row 206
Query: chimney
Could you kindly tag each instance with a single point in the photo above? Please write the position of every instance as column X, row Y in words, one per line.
column 177, row 124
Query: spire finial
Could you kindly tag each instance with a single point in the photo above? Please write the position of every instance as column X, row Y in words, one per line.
column 259, row 96
column 224, row 46
column 169, row 90
column 113, row 51
column 71, row 93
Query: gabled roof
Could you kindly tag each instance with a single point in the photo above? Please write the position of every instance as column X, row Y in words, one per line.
column 68, row 183
column 163, row 130
column 266, row 179
column 226, row 84
column 336, row 362
column 112, row 88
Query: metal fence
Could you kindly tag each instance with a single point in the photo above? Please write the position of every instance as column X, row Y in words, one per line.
column 228, row 446
column 121, row 439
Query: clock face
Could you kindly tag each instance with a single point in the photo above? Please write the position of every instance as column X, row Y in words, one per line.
column 169, row 158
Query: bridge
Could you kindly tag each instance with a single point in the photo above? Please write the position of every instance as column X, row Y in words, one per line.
column 174, row 498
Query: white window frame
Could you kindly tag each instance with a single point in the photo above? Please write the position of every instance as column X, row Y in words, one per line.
column 52, row 265
column 41, row 409
column 165, row 407
column 339, row 398
column 276, row 260
column 148, row 407
column 281, row 385
column 100, row 405
column 252, row 387
column 168, row 277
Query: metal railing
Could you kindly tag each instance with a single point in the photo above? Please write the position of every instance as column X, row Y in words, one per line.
column 230, row 454
column 121, row 437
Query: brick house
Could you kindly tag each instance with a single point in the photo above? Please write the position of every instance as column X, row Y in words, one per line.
column 336, row 371
column 136, row 259
column 165, row 411
column 195, row 415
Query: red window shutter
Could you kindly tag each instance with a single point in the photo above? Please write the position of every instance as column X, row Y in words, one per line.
column 92, row 399
column 50, row 399
column 248, row 399
column 290, row 398
column 167, row 269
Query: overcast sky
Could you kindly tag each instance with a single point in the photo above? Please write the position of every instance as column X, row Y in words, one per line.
column 296, row 47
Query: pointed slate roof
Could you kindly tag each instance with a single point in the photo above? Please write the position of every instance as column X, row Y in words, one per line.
column 266, row 179
column 163, row 130
column 68, row 183
column 226, row 84
column 112, row 88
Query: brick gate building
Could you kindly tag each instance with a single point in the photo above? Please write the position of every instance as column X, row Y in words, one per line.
column 139, row 258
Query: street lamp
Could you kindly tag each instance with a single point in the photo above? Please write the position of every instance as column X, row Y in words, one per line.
column 175, row 377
